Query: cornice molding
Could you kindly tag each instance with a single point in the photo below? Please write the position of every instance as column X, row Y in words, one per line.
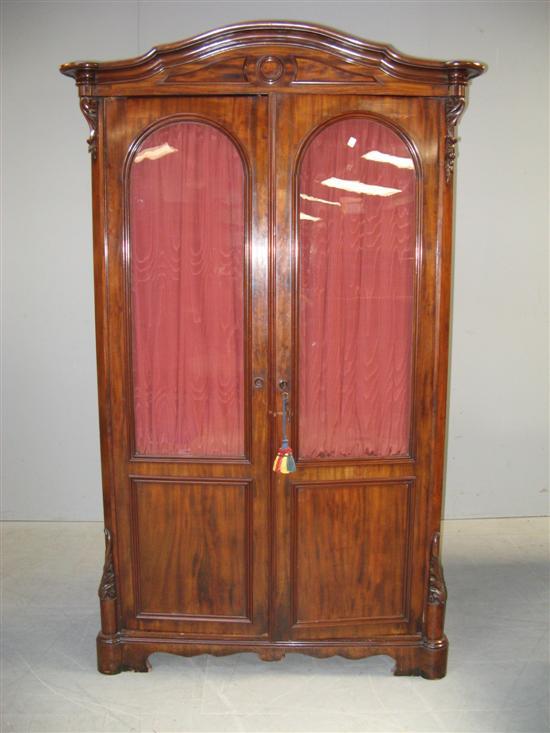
column 243, row 37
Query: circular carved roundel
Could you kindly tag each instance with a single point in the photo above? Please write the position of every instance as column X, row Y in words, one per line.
column 270, row 69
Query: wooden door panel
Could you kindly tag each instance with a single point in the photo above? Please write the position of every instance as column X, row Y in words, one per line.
column 193, row 549
column 350, row 543
column 191, row 485
column 351, row 522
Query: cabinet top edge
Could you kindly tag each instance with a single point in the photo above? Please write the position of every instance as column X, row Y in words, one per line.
column 200, row 51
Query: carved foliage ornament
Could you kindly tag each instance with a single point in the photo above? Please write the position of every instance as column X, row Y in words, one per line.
column 454, row 107
column 89, row 107
column 107, row 586
column 437, row 591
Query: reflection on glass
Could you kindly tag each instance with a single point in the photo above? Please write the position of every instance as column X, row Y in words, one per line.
column 368, row 189
column 357, row 259
column 396, row 160
column 187, row 263
column 320, row 201
column 154, row 153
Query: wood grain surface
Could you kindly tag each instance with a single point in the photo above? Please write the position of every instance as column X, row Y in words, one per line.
column 213, row 553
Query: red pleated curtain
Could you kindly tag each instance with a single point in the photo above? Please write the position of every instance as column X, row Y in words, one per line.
column 187, row 194
column 357, row 234
column 357, row 237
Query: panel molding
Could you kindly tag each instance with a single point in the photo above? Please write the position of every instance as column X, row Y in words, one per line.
column 248, row 486
column 409, row 483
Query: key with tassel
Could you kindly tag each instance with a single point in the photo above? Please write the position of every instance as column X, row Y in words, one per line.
column 284, row 460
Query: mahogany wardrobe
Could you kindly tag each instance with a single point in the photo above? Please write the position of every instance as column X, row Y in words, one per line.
column 272, row 210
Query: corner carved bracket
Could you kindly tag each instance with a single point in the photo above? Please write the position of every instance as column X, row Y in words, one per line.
column 107, row 586
column 89, row 108
column 437, row 590
column 454, row 107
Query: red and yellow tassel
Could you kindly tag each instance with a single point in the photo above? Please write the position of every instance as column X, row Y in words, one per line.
column 284, row 461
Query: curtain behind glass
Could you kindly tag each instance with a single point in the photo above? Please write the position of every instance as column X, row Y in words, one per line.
column 187, row 265
column 357, row 258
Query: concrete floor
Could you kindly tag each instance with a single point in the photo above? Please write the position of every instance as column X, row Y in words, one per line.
column 497, row 623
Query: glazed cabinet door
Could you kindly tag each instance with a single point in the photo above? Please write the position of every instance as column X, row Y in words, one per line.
column 186, row 182
column 357, row 182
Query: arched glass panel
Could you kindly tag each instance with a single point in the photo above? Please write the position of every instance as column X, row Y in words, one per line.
column 187, row 232
column 357, row 234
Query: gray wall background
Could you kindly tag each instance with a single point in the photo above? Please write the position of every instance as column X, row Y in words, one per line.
column 498, row 428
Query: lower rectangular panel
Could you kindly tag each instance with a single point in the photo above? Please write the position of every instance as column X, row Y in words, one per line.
column 350, row 560
column 192, row 549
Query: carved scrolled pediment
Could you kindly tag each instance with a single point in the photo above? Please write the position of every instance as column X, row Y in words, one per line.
column 270, row 69
column 271, row 55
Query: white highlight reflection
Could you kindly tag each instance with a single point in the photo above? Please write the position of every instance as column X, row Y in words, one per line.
column 159, row 151
column 359, row 187
column 351, row 142
column 320, row 201
column 395, row 160
column 307, row 217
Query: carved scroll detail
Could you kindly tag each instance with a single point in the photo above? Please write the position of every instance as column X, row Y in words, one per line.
column 89, row 107
column 437, row 590
column 107, row 586
column 454, row 107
